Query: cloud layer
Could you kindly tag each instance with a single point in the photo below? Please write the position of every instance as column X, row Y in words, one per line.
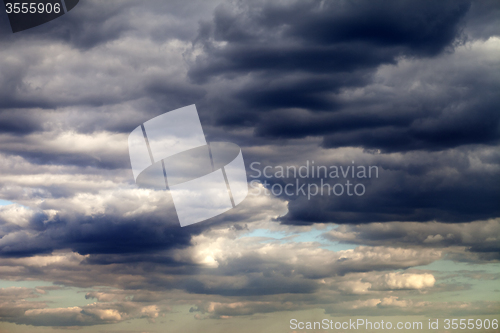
column 410, row 87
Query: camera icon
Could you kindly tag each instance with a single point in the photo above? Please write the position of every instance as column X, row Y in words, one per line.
column 170, row 152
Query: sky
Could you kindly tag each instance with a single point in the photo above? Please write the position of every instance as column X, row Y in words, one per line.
column 409, row 88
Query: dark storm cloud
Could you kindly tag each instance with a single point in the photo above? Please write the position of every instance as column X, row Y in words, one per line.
column 302, row 55
column 324, row 37
column 387, row 78
column 100, row 234
column 469, row 118
column 451, row 204
column 123, row 226
column 455, row 185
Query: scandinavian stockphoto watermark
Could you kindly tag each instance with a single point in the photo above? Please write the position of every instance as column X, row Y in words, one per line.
column 310, row 179
column 170, row 152
column 206, row 179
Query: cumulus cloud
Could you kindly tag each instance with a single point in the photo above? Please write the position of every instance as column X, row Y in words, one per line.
column 93, row 314
column 407, row 281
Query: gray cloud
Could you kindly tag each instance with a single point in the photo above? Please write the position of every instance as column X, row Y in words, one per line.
column 480, row 237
